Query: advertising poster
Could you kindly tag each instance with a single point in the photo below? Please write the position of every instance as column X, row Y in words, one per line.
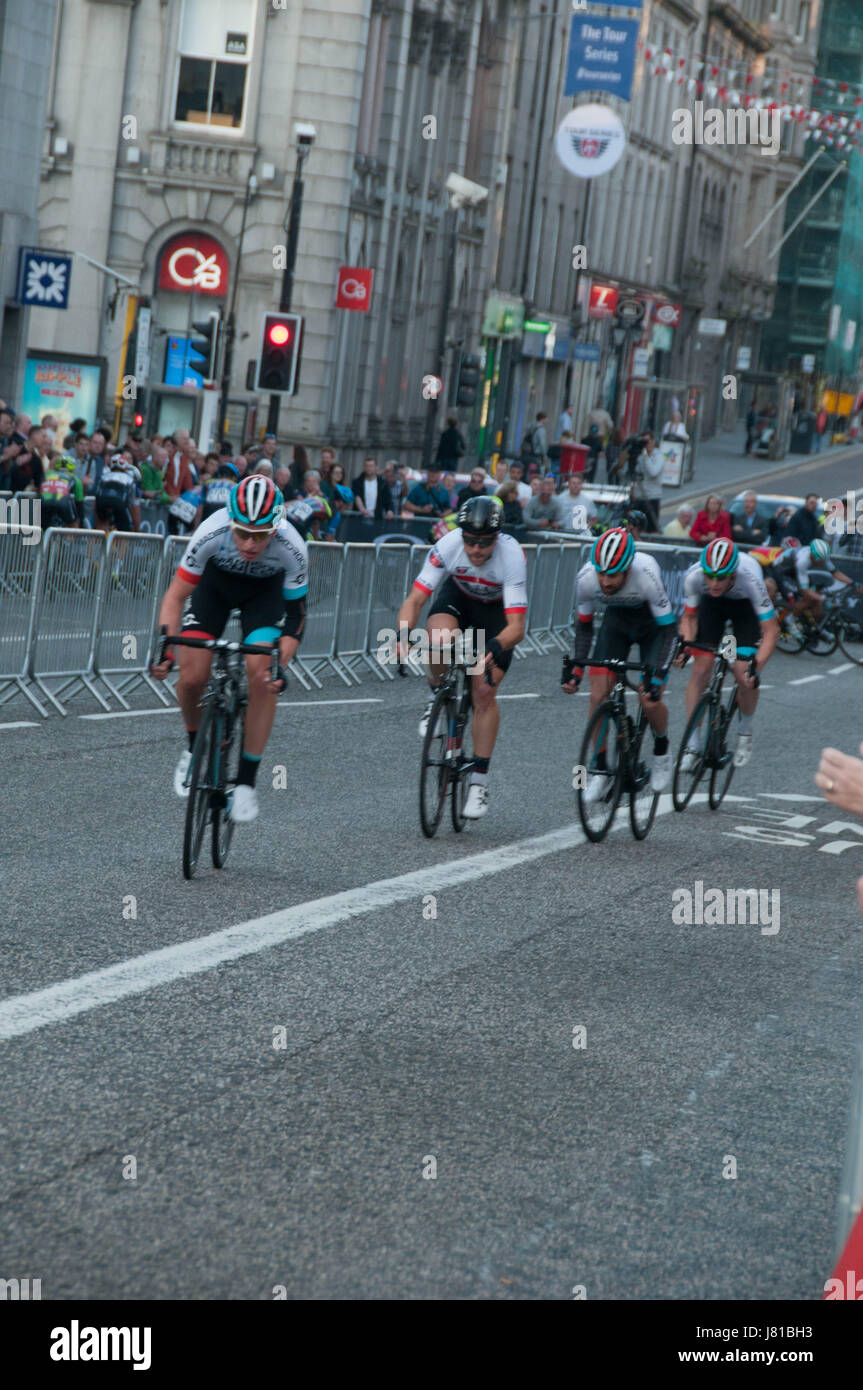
column 67, row 385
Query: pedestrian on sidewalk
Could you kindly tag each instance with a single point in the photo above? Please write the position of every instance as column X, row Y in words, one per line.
column 820, row 428
column 751, row 427
column 647, row 488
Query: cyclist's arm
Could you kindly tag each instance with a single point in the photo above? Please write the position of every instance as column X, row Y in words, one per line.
column 769, row 636
column 689, row 624
column 843, row 578
column 410, row 610
column 513, row 633
column 171, row 613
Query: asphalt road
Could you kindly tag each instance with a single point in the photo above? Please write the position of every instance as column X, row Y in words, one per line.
column 418, row 1028
column 828, row 475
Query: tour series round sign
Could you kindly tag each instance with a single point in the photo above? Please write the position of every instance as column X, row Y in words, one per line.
column 590, row 140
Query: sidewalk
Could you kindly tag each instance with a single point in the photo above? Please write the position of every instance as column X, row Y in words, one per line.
column 720, row 466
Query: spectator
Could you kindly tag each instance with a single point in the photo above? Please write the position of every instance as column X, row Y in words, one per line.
column 593, row 442
column 343, row 501
column 711, row 521
column 751, row 428
column 241, row 464
column 336, row 478
column 804, row 523
column 429, row 498
column 49, row 425
column 226, row 450
column 312, row 481
column 372, row 494
column 564, row 424
column 600, row 417
column 820, row 429
column 208, row 468
column 777, row 530
column 299, row 467
column 475, row 488
column 29, row 464
column 613, row 446
column 674, row 427
column 269, row 450
column 570, row 499
column 402, row 485
column 328, row 458
column 746, row 528
column 283, row 481
column 680, row 527
column 501, row 471
column 151, row 470
column 516, row 473
column 7, row 426
column 448, row 482
column 508, row 494
column 178, row 476
column 12, row 447
column 647, row 489
column 542, row 513
column 534, row 446
column 77, row 427
column 451, row 446
column 264, row 466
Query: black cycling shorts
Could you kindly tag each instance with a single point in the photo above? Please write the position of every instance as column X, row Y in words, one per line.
column 488, row 618
column 112, row 504
column 623, row 628
column 714, row 613
column 260, row 601
column 57, row 512
column 782, row 582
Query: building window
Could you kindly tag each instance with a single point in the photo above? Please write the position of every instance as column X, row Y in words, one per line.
column 803, row 20
column 215, row 47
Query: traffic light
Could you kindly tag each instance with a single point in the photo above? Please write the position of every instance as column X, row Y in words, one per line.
column 203, row 355
column 279, row 357
column 468, row 380
column 138, row 420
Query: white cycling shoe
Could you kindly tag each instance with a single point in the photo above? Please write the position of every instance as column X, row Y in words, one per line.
column 597, row 787
column 181, row 772
column 689, row 760
column 744, row 750
column 476, row 805
column 660, row 772
column 244, row 804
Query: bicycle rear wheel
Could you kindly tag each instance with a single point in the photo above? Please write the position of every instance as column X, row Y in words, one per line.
column 850, row 637
column 435, row 767
column 696, row 738
column 643, row 801
column 600, row 757
column 230, row 746
column 464, row 754
column 791, row 639
column 822, row 640
column 723, row 770
column 198, row 804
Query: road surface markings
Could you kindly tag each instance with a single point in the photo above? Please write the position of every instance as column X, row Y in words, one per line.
column 25, row 1013
column 834, row 670
column 175, row 709
column 518, row 697
column 21, row 724
column 804, row 680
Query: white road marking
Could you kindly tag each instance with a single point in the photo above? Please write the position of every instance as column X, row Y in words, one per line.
column 24, row 1013
column 175, row 709
column 22, row 724
column 518, row 697
column 847, row 666
column 789, row 796
column 804, row 680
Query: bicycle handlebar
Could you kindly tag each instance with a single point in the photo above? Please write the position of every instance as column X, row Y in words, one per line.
column 222, row 644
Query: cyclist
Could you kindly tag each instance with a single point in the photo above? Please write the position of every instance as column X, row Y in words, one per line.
column 216, row 492
column 116, row 495
column 307, row 514
column 61, row 494
column 637, row 610
column 244, row 556
column 477, row 578
column 727, row 586
column 816, row 553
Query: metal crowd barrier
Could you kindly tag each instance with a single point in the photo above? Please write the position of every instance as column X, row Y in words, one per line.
column 79, row 612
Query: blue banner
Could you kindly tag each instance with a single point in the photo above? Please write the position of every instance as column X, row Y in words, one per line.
column 586, row 352
column 601, row 56
column 177, row 370
column 43, row 278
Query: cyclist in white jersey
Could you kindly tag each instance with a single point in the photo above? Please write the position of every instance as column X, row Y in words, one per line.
column 628, row 584
column 477, row 579
column 727, row 586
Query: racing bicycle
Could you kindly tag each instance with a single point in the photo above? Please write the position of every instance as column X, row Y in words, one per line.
column 447, row 763
column 215, row 760
column 706, row 733
column 612, row 749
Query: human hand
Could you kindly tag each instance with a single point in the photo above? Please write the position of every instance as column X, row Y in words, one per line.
column 840, row 778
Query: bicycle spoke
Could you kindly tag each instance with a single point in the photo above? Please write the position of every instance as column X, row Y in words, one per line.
column 642, row 799
column 692, row 754
column 600, row 754
column 436, row 767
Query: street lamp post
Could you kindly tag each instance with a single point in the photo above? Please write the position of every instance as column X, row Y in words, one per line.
column 305, row 134
column 231, row 325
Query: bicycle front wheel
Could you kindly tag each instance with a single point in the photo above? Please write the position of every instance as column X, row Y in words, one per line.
column 850, row 637
column 643, row 800
column 436, row 767
column 603, row 770
column 822, row 641
column 692, row 754
column 791, row 639
column 463, row 756
column 230, row 745
column 723, row 769
column 198, row 804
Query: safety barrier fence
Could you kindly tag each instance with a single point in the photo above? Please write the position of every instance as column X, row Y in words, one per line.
column 79, row 610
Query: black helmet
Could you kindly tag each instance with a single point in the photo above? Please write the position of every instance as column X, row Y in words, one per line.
column 480, row 516
column 637, row 519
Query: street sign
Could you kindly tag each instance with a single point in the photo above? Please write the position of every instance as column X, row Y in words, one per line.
column 43, row 278
column 142, row 345
column 669, row 314
column 586, row 352
column 354, row 288
column 630, row 311
column 641, row 362
column 193, row 263
column 590, row 140
column 744, row 359
column 601, row 56
column 712, row 328
column 807, row 363
column 662, row 337
column 503, row 317
column 603, row 301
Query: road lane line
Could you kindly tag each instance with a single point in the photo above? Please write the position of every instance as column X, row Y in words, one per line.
column 175, row 709
column 847, row 666
column 518, row 697
column 25, row 1013
column 804, row 680
column 22, row 724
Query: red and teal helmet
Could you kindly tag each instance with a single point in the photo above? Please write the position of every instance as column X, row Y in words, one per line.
column 613, row 552
column 256, row 502
column 720, row 558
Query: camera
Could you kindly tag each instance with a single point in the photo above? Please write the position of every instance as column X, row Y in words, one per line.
column 305, row 134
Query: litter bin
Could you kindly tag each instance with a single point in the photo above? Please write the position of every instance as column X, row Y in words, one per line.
column 573, row 458
column 802, row 434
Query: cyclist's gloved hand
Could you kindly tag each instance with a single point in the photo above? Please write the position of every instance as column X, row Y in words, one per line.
column 495, row 651
column 657, row 679
column 571, row 674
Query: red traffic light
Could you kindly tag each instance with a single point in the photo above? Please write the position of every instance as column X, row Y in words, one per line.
column 279, row 334
column 139, row 420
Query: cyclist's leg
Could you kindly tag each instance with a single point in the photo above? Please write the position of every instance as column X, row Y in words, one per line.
column 206, row 616
column 655, row 711
column 747, row 635
column 486, row 712
column 711, row 625
column 262, row 619
column 446, row 617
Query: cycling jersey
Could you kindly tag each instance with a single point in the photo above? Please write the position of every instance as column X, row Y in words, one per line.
column 643, row 586
column 748, row 585
column 503, row 577
column 215, row 495
column 803, row 564
column 304, row 510
column 118, row 486
column 214, row 542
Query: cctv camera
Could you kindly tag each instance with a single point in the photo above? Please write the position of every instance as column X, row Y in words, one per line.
column 305, row 133
column 465, row 190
